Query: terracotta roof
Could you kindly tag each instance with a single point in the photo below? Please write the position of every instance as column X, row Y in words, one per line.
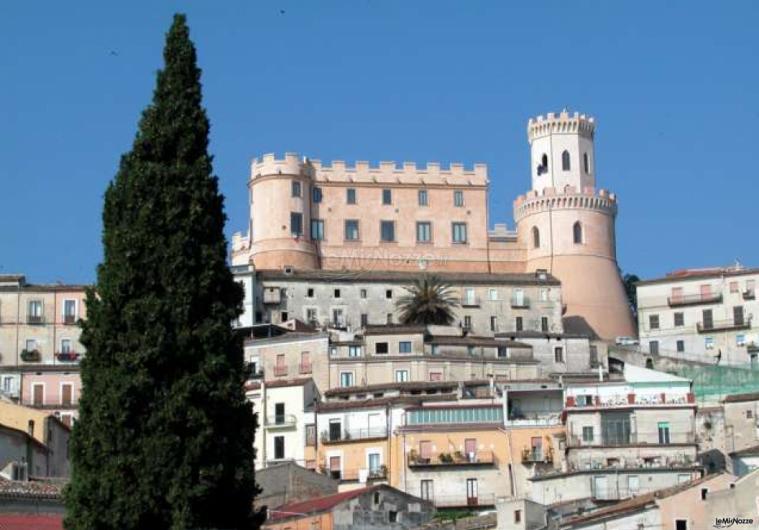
column 737, row 398
column 287, row 382
column 9, row 521
column 317, row 505
column 697, row 274
column 413, row 385
column 32, row 489
column 472, row 340
column 328, row 406
column 406, row 277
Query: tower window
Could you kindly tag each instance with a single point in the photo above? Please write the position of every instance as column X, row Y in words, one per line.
column 577, row 233
column 543, row 167
column 586, row 163
column 295, row 190
column 565, row 161
column 535, row 237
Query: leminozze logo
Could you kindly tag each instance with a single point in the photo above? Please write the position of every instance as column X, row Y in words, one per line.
column 727, row 522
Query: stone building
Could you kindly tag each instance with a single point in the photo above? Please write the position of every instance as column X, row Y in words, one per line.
column 701, row 315
column 305, row 215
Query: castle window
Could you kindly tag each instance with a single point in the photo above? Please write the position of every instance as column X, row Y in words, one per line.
column 458, row 199
column 295, row 189
column 350, row 196
column 423, row 201
column 316, row 194
column 317, row 229
column 565, row 161
column 535, row 237
column 424, row 232
column 296, row 223
column 543, row 167
column 586, row 163
column 351, row 230
column 459, row 232
column 387, row 196
column 387, row 231
column 577, row 233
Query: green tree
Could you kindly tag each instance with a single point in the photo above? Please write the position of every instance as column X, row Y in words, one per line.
column 165, row 435
column 429, row 301
column 629, row 281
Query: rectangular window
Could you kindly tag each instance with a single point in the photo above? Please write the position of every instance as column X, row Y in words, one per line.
column 296, row 223
column 69, row 311
column 653, row 347
column 681, row 524
column 493, row 323
column 346, row 379
column 34, row 312
column 295, row 189
column 336, row 293
column 389, row 319
column 388, row 294
column 709, row 343
column 350, row 196
column 317, row 229
column 679, row 319
column 316, row 194
column 587, row 434
column 633, row 483
column 312, row 315
column 518, row 324
column 364, row 320
column 517, row 516
column 310, row 292
column 279, row 413
column 387, row 196
column 338, row 319
column 544, row 324
column 558, row 354
column 66, row 346
column 351, row 230
column 471, row 492
column 459, row 232
column 363, row 293
column 401, row 376
column 67, row 391
column 387, row 231
column 423, row 198
column 740, row 339
column 493, row 294
column 426, row 490
column 680, row 346
column 467, row 322
column 653, row 321
column 404, row 346
column 423, row 232
column 708, row 319
column 436, row 376
column 38, row 393
column 738, row 315
column 380, row 348
column 458, row 199
column 663, row 428
column 503, row 352
column 733, row 287
column 354, row 351
column 310, row 435
column 279, row 447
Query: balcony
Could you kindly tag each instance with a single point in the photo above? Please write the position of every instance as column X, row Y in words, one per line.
column 35, row 320
column 724, row 325
column 463, row 500
column 281, row 421
column 304, row 368
column 470, row 301
column 534, row 420
column 454, row 459
column 69, row 320
column 628, row 400
column 30, row 356
column 352, row 435
column 640, row 440
column 694, row 299
column 362, row 475
column 536, row 455
column 520, row 303
column 749, row 294
column 280, row 371
column 67, row 356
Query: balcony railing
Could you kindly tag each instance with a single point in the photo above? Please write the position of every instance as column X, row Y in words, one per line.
column 281, row 420
column 69, row 320
column 304, row 368
column 35, row 319
column 694, row 299
column 520, row 303
column 457, row 458
column 348, row 435
column 536, row 455
column 724, row 325
column 67, row 356
column 575, row 441
column 463, row 500
column 535, row 421
column 626, row 400
column 280, row 370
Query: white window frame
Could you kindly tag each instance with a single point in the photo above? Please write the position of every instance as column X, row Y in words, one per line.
column 402, row 379
column 76, row 308
column 352, row 378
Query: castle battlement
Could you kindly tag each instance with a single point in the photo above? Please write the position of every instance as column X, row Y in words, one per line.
column 388, row 172
column 561, row 123
column 568, row 198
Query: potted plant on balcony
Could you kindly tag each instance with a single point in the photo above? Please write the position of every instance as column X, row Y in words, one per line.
column 458, row 456
column 67, row 356
column 30, row 356
column 413, row 456
column 446, row 458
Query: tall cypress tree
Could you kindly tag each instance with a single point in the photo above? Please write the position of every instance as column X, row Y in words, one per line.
column 165, row 435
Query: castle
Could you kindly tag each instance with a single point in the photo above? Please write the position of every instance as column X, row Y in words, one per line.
column 306, row 215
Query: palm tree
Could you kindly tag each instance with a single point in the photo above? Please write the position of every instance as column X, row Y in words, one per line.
column 429, row 301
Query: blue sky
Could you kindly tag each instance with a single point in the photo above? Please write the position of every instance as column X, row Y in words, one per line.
column 673, row 86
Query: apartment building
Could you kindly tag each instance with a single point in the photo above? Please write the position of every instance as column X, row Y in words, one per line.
column 624, row 438
column 701, row 314
column 39, row 322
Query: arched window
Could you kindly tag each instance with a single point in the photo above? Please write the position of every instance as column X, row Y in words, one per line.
column 585, row 163
column 535, row 237
column 565, row 161
column 577, row 233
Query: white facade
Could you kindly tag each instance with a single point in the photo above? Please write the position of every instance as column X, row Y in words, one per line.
column 701, row 315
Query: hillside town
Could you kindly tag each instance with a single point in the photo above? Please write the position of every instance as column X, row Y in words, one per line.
column 411, row 366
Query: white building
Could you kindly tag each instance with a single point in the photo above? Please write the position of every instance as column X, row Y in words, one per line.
column 701, row 314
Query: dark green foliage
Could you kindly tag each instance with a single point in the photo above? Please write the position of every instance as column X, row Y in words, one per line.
column 429, row 301
column 165, row 435
column 629, row 281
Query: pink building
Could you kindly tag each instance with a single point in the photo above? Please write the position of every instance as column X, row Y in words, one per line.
column 54, row 390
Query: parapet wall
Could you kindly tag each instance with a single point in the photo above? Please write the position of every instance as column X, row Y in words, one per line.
column 568, row 198
column 562, row 123
column 338, row 171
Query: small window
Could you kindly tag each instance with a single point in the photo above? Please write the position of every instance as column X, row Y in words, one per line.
column 577, row 233
column 459, row 233
column 493, row 294
column 392, row 516
column 296, row 223
column 346, row 379
column 704, row 493
column 336, row 293
column 733, row 287
column 387, row 231
column 423, row 200
column 535, row 237
column 565, row 165
column 544, row 324
column 740, row 339
column 388, row 293
column 296, row 191
column 493, row 323
column 350, row 196
column 387, row 196
column 681, row 524
column 543, row 167
column 679, row 319
column 317, row 229
column 279, row 447
column 310, row 292
column 283, row 316
column 653, row 347
column 351, row 230
column 653, row 321
column 680, row 346
column 518, row 324
column 423, row 232
column 587, row 434
column 380, row 348
column 709, row 343
column 558, row 354
column 389, row 318
column 749, row 414
column 517, row 516
column 404, row 346
column 376, row 497
column 458, row 199
column 354, row 351
column 364, row 320
column 586, row 163
column 663, row 428
column 363, row 293
column 401, row 376
column 316, row 194
column 467, row 322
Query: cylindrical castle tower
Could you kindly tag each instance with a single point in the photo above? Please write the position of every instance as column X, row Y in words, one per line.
column 280, row 199
column 567, row 226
